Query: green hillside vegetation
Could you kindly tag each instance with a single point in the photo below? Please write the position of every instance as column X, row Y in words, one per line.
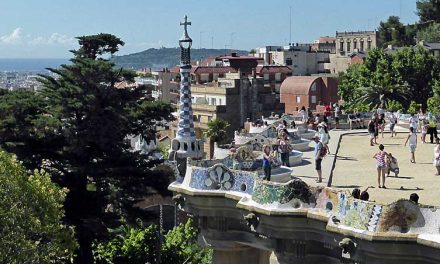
column 166, row 57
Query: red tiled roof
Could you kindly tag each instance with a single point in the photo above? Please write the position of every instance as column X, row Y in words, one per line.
column 273, row 69
column 212, row 69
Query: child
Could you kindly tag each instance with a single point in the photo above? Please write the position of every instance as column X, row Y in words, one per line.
column 412, row 139
column 424, row 128
column 393, row 166
column 267, row 160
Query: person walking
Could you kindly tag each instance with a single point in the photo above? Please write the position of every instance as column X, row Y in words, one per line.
column 432, row 129
column 381, row 123
column 413, row 122
column 412, row 139
column 337, row 113
column 393, row 121
column 267, row 162
column 371, row 131
column 381, row 165
column 319, row 155
column 284, row 148
column 424, row 128
column 324, row 136
column 436, row 162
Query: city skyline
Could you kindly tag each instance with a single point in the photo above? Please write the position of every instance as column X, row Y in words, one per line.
column 47, row 29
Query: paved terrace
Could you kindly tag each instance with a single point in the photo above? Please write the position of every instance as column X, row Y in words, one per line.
column 354, row 167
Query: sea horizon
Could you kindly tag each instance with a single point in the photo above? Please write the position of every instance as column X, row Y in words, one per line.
column 30, row 64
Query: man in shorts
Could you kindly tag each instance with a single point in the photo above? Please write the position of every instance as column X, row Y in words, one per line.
column 318, row 157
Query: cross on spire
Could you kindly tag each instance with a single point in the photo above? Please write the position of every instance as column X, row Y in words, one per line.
column 185, row 24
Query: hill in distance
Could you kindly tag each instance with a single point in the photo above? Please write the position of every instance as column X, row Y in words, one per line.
column 166, row 57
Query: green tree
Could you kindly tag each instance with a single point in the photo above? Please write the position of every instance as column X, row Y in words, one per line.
column 31, row 212
column 413, row 108
column 394, row 106
column 434, row 102
column 430, row 34
column 349, row 82
column 381, row 95
column 408, row 73
column 27, row 128
column 393, row 32
column 142, row 245
column 428, row 10
column 79, row 125
column 216, row 132
column 418, row 68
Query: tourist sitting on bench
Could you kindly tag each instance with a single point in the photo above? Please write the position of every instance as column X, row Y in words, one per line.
column 360, row 120
column 353, row 121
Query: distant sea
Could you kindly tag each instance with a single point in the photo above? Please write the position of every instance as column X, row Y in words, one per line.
column 30, row 65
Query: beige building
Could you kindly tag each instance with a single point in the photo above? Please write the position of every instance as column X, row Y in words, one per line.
column 233, row 98
column 299, row 57
column 348, row 43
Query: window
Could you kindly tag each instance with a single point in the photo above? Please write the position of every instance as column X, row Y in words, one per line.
column 277, row 76
column 266, row 76
column 369, row 44
column 313, row 88
column 288, row 61
column 313, row 99
column 362, row 45
column 348, row 45
column 355, row 46
column 220, row 101
column 341, row 45
column 213, row 101
column 298, row 99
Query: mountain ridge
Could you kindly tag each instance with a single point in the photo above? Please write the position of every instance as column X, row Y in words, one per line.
column 166, row 57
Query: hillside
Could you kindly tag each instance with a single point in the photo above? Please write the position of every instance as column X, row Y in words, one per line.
column 165, row 57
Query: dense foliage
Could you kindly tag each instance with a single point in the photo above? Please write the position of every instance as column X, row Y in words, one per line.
column 430, row 34
column 428, row 10
column 145, row 245
column 408, row 74
column 393, row 32
column 30, row 217
column 78, row 127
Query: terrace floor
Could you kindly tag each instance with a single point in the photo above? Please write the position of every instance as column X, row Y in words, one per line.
column 356, row 168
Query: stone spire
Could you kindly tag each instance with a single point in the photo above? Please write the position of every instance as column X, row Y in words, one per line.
column 185, row 145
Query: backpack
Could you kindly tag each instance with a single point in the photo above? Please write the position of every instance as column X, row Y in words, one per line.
column 322, row 151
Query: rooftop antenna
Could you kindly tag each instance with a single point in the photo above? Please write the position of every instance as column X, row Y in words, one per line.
column 290, row 24
column 232, row 40
column 400, row 9
column 200, row 44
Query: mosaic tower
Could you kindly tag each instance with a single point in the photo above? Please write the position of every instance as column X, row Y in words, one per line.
column 185, row 145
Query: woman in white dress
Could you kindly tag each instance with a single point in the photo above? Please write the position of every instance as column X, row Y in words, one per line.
column 436, row 161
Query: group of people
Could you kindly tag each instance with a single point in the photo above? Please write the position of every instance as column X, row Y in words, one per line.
column 282, row 147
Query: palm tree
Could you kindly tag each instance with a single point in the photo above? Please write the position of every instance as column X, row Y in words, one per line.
column 381, row 94
column 216, row 132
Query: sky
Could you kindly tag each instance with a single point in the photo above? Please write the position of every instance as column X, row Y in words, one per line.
column 47, row 28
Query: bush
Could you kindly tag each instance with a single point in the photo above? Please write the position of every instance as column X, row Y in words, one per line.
column 141, row 245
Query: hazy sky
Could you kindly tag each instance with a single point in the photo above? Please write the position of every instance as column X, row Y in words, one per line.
column 46, row 28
